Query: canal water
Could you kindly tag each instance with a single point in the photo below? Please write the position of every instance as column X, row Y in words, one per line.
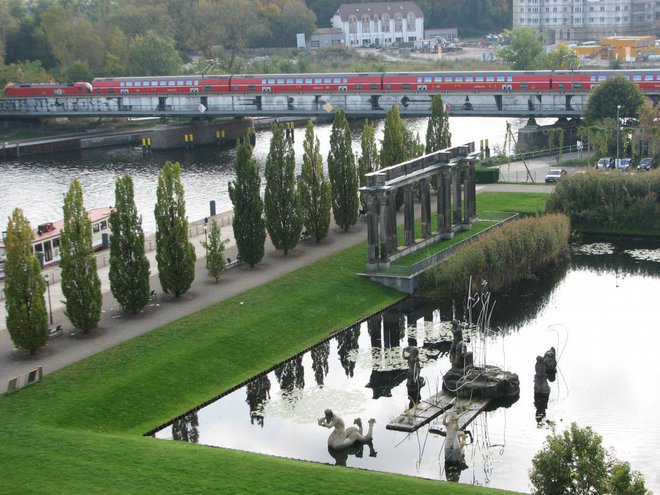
column 598, row 311
column 38, row 184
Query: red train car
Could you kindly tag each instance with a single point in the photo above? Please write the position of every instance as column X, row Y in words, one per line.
column 304, row 83
column 47, row 89
column 162, row 84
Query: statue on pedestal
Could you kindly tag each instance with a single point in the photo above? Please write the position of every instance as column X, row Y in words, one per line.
column 459, row 356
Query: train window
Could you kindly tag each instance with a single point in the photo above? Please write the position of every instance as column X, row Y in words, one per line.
column 577, row 85
column 523, row 85
column 308, row 80
column 138, row 84
column 602, row 78
column 657, row 77
column 637, row 78
column 171, row 83
column 154, row 83
column 459, row 78
column 561, row 85
column 387, row 86
column 122, row 84
column 358, row 86
column 188, row 82
column 196, row 82
column 326, row 80
column 449, row 79
column 179, row 82
column 437, row 78
column 289, row 81
column 406, row 85
column 345, row 80
column 162, row 83
column 373, row 86
column 501, row 78
column 490, row 78
column 129, row 84
column 318, row 80
column 299, row 81
column 480, row 79
column 469, row 78
column 427, row 79
column 419, row 79
column 251, row 87
column 263, row 81
column 337, row 80
column 280, row 81
column 206, row 88
column 509, row 78
column 271, row 81
column 648, row 78
column 592, row 78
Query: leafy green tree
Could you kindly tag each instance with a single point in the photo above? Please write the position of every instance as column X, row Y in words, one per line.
column 604, row 99
column 576, row 463
column 248, row 223
column 369, row 159
column 283, row 221
column 81, row 285
column 315, row 194
column 175, row 255
column 152, row 55
column 561, row 57
column 393, row 149
column 343, row 174
column 215, row 252
column 525, row 51
column 27, row 320
column 295, row 18
column 129, row 266
column 438, row 136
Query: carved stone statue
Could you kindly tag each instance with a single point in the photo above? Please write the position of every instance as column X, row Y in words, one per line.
column 342, row 437
column 550, row 361
column 540, row 377
column 459, row 356
column 454, row 444
column 415, row 381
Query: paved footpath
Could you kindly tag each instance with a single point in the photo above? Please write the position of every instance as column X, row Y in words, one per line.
column 116, row 327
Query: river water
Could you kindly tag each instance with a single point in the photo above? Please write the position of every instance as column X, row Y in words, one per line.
column 599, row 314
column 38, row 184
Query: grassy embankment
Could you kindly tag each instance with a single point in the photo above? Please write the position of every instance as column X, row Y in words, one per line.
column 79, row 431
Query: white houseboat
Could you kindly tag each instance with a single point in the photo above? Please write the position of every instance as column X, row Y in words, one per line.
column 46, row 243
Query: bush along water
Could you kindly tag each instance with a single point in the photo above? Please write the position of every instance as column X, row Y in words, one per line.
column 610, row 203
column 516, row 251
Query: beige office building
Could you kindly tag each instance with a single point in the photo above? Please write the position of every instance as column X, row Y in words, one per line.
column 583, row 20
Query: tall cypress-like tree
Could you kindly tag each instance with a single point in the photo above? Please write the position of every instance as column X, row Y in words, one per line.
column 175, row 255
column 27, row 320
column 81, row 285
column 215, row 252
column 438, row 136
column 129, row 266
column 343, row 174
column 314, row 189
column 394, row 149
column 283, row 220
column 248, row 223
column 369, row 160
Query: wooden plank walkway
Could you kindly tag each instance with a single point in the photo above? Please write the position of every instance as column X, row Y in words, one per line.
column 426, row 411
column 466, row 412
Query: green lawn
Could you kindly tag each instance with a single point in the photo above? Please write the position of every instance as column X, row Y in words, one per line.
column 79, row 431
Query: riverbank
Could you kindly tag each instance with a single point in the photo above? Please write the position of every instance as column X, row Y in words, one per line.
column 79, row 430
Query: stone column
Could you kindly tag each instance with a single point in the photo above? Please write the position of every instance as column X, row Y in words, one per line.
column 456, row 199
column 409, row 215
column 472, row 188
column 383, row 224
column 392, row 243
column 372, row 226
column 466, row 194
column 440, row 202
column 426, row 207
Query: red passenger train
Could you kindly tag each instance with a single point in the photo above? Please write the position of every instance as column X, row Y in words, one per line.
column 446, row 81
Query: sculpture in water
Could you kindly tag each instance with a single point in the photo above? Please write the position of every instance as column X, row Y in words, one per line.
column 415, row 381
column 342, row 437
column 456, row 439
column 459, row 356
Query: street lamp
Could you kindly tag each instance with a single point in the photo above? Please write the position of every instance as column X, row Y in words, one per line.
column 618, row 131
column 50, row 307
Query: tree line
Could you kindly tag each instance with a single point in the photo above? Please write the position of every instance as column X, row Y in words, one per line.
column 76, row 40
column 289, row 204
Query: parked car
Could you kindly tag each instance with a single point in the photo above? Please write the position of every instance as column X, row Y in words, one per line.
column 554, row 175
column 605, row 162
column 646, row 163
column 624, row 164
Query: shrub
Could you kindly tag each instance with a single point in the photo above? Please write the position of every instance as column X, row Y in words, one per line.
column 485, row 175
column 613, row 203
column 514, row 251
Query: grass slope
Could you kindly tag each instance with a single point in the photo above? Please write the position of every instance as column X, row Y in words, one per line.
column 79, row 431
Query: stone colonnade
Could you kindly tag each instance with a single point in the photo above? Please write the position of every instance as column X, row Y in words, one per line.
column 452, row 173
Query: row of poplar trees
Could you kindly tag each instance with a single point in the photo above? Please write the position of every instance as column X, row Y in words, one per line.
column 290, row 204
column 27, row 318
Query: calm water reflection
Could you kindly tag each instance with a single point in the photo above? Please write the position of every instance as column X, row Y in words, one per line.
column 38, row 184
column 598, row 312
